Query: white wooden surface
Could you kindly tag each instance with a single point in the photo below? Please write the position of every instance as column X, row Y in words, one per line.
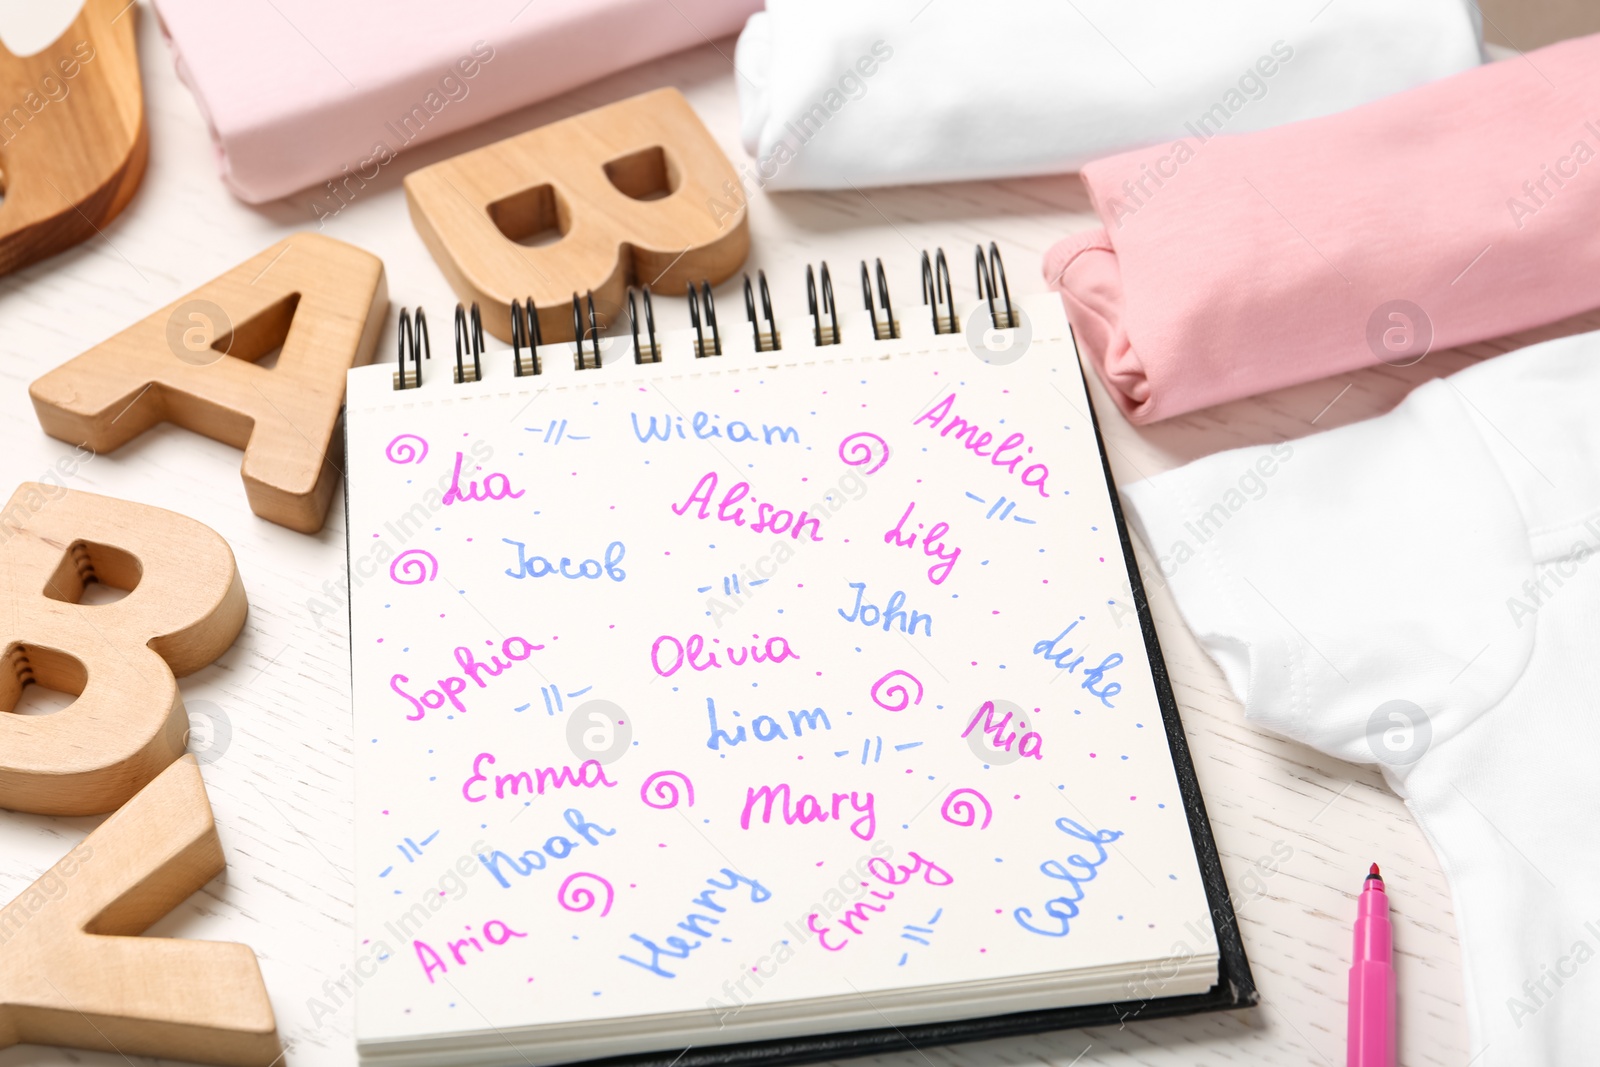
column 280, row 783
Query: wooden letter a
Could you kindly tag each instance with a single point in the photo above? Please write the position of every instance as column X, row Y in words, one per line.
column 76, row 975
column 193, row 363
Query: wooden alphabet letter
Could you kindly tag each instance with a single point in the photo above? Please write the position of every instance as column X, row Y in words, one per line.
column 636, row 191
column 73, row 144
column 77, row 974
column 185, row 605
column 193, row 363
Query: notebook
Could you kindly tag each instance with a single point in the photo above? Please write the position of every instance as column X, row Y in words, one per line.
column 779, row 687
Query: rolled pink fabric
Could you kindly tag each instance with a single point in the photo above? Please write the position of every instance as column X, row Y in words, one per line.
column 1458, row 211
column 300, row 91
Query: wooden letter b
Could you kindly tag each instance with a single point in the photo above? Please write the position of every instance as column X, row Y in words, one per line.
column 635, row 191
column 185, row 605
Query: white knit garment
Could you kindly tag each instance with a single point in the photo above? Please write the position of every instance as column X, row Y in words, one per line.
column 1422, row 590
column 836, row 94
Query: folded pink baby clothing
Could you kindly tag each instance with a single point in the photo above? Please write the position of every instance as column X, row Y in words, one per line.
column 299, row 91
column 1454, row 212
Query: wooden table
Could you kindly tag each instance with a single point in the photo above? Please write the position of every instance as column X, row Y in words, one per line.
column 275, row 708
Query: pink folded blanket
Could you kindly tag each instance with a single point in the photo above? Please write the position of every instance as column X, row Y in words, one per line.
column 300, row 91
column 1457, row 211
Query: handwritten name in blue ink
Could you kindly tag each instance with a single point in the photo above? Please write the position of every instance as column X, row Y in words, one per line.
column 888, row 616
column 703, row 426
column 1067, row 659
column 695, row 922
column 609, row 565
column 763, row 727
column 555, row 847
column 1076, row 871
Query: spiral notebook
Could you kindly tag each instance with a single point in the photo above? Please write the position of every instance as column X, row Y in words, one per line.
column 776, row 687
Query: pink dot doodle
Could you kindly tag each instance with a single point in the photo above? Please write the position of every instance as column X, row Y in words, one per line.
column 581, row 897
column 891, row 693
column 661, row 790
column 958, row 810
column 413, row 567
column 861, row 449
column 406, row 448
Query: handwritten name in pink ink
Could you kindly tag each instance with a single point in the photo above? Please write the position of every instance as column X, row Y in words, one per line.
column 976, row 440
column 413, row 567
column 555, row 847
column 769, row 518
column 763, row 727
column 1076, row 870
column 894, row 874
column 898, row 537
column 451, row 686
column 496, row 486
column 959, row 808
column 590, row 774
column 662, row 790
column 669, row 655
column 861, row 449
column 1029, row 744
column 710, row 906
column 1067, row 659
column 890, row 615
column 494, row 931
column 575, row 893
column 891, row 694
column 807, row 809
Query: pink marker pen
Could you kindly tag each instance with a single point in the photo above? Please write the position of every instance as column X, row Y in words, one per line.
column 1371, row 1039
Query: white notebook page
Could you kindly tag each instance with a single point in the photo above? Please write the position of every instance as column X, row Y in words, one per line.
column 706, row 686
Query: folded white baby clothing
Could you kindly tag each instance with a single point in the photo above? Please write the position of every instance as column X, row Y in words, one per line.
column 1422, row 590
column 836, row 94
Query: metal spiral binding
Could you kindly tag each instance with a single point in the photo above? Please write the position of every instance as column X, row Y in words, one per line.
column 768, row 341
column 988, row 277
column 578, row 334
column 524, row 332
column 470, row 340
column 937, row 294
column 639, row 353
column 415, row 340
column 889, row 330
column 936, row 291
column 819, row 336
column 710, row 316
